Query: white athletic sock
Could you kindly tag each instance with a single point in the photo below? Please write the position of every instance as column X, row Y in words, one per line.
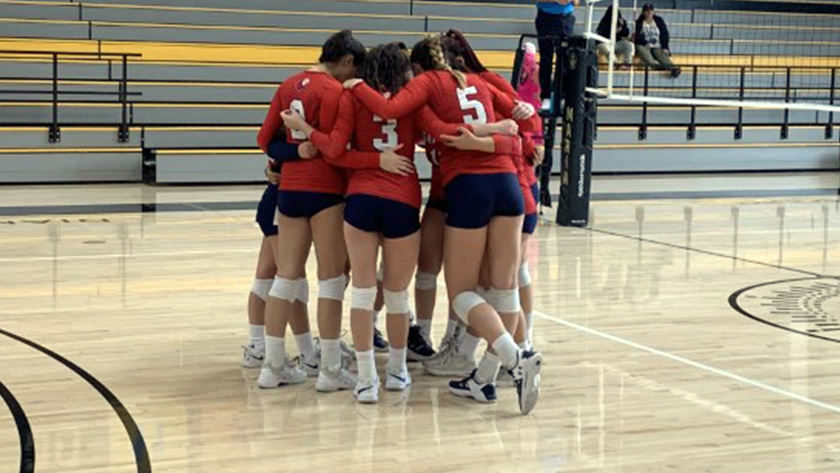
column 396, row 360
column 529, row 327
column 488, row 368
column 257, row 333
column 524, row 345
column 275, row 350
column 469, row 345
column 330, row 354
column 451, row 325
column 366, row 364
column 425, row 327
column 305, row 345
column 376, row 317
column 507, row 350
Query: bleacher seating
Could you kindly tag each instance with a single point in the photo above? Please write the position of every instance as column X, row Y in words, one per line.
column 209, row 68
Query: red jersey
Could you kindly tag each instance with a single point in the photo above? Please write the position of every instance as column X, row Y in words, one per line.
column 372, row 135
column 434, row 151
column 528, row 139
column 440, row 90
column 315, row 95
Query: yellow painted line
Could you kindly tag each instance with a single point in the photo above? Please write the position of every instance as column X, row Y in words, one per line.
column 237, row 11
column 65, row 130
column 202, row 128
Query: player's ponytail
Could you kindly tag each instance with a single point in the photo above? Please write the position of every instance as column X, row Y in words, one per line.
column 429, row 55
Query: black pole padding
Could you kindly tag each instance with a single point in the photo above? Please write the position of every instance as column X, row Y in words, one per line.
column 579, row 128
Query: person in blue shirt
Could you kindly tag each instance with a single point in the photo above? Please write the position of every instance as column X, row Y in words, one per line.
column 554, row 19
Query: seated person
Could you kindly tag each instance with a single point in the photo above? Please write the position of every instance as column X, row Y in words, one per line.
column 652, row 40
column 623, row 46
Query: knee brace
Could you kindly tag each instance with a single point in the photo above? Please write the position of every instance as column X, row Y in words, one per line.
column 425, row 281
column 505, row 301
column 362, row 298
column 464, row 303
column 332, row 288
column 286, row 289
column 303, row 291
column 261, row 287
column 524, row 275
column 396, row 302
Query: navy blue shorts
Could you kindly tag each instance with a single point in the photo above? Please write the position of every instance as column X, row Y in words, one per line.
column 535, row 191
column 266, row 210
column 297, row 204
column 374, row 214
column 437, row 204
column 529, row 225
column 473, row 199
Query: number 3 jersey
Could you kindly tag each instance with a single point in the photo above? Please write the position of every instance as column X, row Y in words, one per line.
column 370, row 135
column 315, row 95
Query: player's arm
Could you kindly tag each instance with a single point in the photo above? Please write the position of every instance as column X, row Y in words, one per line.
column 504, row 106
column 331, row 144
column 271, row 123
column 407, row 100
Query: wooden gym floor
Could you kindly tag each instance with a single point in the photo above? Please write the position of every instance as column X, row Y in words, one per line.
column 679, row 336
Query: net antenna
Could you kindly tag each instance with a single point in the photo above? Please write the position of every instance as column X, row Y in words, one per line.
column 753, row 61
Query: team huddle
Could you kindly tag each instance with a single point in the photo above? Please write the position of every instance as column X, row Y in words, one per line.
column 344, row 133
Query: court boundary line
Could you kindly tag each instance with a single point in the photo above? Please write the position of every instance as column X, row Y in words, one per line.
column 27, row 441
column 692, row 363
column 135, row 436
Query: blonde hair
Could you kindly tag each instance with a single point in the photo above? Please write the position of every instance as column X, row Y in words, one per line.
column 440, row 62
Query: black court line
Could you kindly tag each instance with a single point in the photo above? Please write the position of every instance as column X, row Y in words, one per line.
column 706, row 252
column 141, row 453
column 27, row 443
column 733, row 302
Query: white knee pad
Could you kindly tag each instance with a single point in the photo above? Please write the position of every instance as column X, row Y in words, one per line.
column 396, row 302
column 362, row 298
column 286, row 289
column 261, row 287
column 380, row 272
column 505, row 301
column 425, row 281
column 303, row 291
column 524, row 275
column 464, row 303
column 332, row 288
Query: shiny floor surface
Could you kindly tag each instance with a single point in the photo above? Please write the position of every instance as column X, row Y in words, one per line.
column 679, row 336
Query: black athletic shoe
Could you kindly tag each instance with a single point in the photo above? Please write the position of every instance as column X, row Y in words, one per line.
column 379, row 343
column 419, row 349
column 469, row 387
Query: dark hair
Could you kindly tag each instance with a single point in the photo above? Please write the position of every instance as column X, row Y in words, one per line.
column 429, row 55
column 457, row 45
column 386, row 68
column 340, row 45
column 647, row 7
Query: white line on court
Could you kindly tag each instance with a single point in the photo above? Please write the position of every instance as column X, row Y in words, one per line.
column 125, row 255
column 686, row 361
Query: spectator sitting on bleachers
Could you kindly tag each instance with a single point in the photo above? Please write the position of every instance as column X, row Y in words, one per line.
column 652, row 41
column 623, row 47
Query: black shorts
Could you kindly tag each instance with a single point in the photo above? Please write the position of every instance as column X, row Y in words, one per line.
column 375, row 214
column 297, row 204
column 473, row 199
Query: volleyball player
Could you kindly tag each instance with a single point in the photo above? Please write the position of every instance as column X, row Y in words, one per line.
column 311, row 204
column 484, row 212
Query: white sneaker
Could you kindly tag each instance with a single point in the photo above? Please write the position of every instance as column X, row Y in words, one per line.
column 398, row 381
column 276, row 376
column 253, row 356
column 526, row 378
column 451, row 363
column 331, row 381
column 367, row 392
column 310, row 363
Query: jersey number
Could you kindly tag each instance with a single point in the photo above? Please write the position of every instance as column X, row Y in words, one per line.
column 478, row 115
column 389, row 129
column 297, row 106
